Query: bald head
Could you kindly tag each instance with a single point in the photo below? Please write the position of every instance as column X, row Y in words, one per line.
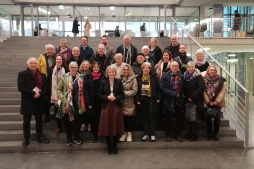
column 174, row 67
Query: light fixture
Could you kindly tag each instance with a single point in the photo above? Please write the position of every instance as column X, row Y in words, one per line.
column 206, row 49
column 60, row 6
column 231, row 55
column 112, row 7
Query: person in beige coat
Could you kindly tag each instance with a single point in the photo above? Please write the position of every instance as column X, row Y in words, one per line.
column 163, row 64
column 87, row 27
column 214, row 96
column 130, row 87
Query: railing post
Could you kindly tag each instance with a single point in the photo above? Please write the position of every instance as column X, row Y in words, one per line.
column 247, row 108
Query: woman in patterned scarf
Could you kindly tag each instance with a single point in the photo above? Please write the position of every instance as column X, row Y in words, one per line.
column 214, row 95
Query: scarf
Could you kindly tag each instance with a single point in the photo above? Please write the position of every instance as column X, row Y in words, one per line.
column 37, row 77
column 56, row 75
column 63, row 50
column 161, row 68
column 174, row 81
column 197, row 63
column 210, row 87
column 96, row 76
column 146, row 88
column 188, row 75
column 73, row 94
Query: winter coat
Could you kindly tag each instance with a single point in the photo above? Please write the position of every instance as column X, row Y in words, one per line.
column 174, row 50
column 130, row 87
column 110, row 53
column 169, row 98
column 136, row 68
column 103, row 60
column 182, row 59
column 26, row 84
column 72, row 59
column 203, row 67
column 75, row 26
column 134, row 52
column 87, row 53
column 66, row 54
column 159, row 67
column 220, row 93
column 157, row 54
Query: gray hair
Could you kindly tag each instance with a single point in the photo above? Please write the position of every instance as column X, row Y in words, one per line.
column 126, row 36
column 200, row 51
column 31, row 58
column 118, row 55
column 48, row 46
column 144, row 47
column 190, row 63
column 73, row 64
column 61, row 40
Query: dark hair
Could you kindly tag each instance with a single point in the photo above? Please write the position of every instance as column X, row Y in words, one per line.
column 64, row 64
column 140, row 54
column 85, row 37
column 105, row 36
column 168, row 52
column 95, row 63
column 236, row 11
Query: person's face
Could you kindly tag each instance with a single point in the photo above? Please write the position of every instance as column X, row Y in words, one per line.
column 126, row 71
column 174, row 41
column 146, row 70
column 63, row 44
column 101, row 50
column 140, row 59
column 153, row 43
column 85, row 66
column 84, row 41
column 96, row 68
column 212, row 71
column 165, row 57
column 190, row 68
column 145, row 51
column 59, row 61
column 127, row 42
column 200, row 57
column 73, row 69
column 111, row 73
column 32, row 65
column 182, row 49
column 104, row 41
column 118, row 60
column 50, row 51
column 76, row 52
column 174, row 67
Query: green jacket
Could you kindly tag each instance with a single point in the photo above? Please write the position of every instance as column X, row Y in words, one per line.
column 62, row 88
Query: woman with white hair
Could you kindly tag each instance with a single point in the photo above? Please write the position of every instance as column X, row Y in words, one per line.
column 145, row 50
column 200, row 62
column 119, row 64
column 70, row 92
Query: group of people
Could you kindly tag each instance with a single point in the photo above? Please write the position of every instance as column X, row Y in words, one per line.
column 109, row 88
column 75, row 29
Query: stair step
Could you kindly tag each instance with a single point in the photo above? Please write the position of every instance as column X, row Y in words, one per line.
column 8, row 84
column 8, row 89
column 10, row 101
column 9, row 108
column 10, row 95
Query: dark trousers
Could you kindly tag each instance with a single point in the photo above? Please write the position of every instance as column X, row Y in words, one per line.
column 58, row 121
column 148, row 117
column 173, row 122
column 95, row 119
column 26, row 125
column 192, row 128
column 72, row 126
column 216, row 124
column 128, row 123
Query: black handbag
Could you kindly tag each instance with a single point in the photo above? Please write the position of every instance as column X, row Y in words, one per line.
column 212, row 112
column 191, row 112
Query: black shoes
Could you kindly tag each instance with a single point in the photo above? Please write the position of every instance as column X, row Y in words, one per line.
column 43, row 140
column 69, row 142
column 216, row 138
column 25, row 142
column 179, row 138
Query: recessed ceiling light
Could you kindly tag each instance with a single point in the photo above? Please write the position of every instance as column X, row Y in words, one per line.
column 112, row 7
column 60, row 6
column 91, row 13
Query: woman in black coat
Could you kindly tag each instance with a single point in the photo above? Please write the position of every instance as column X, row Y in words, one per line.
column 111, row 123
column 92, row 82
column 155, row 50
column 193, row 88
column 33, row 87
column 148, row 98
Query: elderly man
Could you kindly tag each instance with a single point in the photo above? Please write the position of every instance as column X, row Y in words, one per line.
column 128, row 51
column 33, row 87
column 75, row 56
column 63, row 49
column 137, row 65
column 174, row 46
column 101, row 57
column 172, row 95
column 110, row 51
column 86, row 52
column 45, row 62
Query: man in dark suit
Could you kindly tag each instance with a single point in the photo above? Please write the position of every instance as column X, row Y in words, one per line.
column 33, row 87
column 128, row 51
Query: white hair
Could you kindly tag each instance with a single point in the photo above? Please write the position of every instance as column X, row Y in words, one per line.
column 73, row 64
column 31, row 58
column 48, row 46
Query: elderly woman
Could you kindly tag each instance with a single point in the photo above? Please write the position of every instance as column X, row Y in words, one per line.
column 118, row 65
column 32, row 85
column 63, row 49
column 70, row 92
column 193, row 88
column 148, row 98
column 214, row 96
column 130, row 87
column 155, row 50
column 200, row 62
column 163, row 64
column 92, row 82
column 58, row 70
column 148, row 58
column 111, row 121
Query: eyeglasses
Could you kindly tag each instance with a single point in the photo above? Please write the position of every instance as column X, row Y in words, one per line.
column 73, row 67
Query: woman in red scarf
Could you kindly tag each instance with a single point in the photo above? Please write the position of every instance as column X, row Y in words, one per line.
column 33, row 87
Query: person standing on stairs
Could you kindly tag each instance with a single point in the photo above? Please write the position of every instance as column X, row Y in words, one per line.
column 45, row 61
column 33, row 87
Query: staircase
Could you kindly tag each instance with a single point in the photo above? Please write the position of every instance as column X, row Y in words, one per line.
column 14, row 54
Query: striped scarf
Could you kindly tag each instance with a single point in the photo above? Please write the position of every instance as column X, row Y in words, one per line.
column 210, row 87
column 174, row 79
